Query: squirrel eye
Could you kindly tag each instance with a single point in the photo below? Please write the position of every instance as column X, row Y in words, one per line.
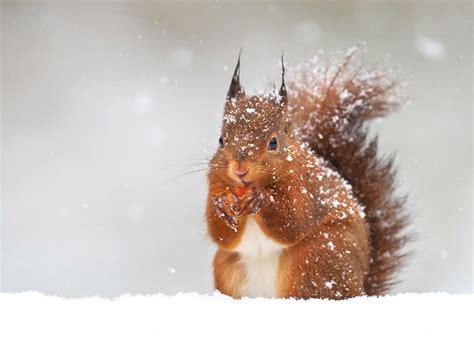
column 273, row 144
column 221, row 142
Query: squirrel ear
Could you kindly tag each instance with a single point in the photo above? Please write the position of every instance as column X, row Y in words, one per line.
column 235, row 88
column 282, row 92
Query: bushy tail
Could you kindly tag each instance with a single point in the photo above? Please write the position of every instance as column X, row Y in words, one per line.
column 329, row 107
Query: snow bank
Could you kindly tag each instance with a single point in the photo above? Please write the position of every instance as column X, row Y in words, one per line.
column 32, row 314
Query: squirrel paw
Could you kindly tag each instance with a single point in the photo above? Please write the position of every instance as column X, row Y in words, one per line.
column 229, row 207
column 251, row 204
column 226, row 207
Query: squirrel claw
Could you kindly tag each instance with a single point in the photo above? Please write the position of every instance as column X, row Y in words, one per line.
column 256, row 203
column 224, row 210
column 252, row 205
column 228, row 207
column 217, row 202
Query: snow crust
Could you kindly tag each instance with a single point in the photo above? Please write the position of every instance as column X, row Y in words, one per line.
column 32, row 314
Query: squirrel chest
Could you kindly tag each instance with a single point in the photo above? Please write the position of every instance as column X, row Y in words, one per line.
column 259, row 258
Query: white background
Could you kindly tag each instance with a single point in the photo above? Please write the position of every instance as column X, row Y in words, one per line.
column 103, row 103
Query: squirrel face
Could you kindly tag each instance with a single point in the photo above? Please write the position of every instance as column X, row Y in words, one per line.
column 253, row 140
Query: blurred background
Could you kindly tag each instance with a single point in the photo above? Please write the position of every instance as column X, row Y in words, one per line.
column 105, row 104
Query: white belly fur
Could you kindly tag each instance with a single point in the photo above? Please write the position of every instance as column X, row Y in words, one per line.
column 260, row 258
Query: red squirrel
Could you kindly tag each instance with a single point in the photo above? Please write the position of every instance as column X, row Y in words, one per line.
column 300, row 204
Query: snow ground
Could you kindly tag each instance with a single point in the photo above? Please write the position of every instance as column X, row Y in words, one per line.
column 32, row 314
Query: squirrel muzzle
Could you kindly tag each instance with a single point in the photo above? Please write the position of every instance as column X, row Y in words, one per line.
column 241, row 172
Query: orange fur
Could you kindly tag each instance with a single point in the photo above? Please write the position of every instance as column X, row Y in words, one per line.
column 322, row 193
column 228, row 273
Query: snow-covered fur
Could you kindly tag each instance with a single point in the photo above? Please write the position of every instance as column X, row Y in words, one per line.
column 330, row 105
column 300, row 204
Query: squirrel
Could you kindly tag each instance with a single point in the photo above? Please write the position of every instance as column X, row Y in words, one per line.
column 300, row 204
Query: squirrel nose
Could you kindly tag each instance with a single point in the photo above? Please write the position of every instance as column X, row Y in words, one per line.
column 241, row 172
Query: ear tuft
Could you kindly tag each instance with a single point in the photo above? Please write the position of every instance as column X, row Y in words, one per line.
column 282, row 92
column 235, row 88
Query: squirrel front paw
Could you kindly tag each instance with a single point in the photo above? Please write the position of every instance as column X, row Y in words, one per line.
column 225, row 206
column 229, row 207
column 251, row 203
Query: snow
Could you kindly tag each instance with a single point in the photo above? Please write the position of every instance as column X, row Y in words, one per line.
column 430, row 48
column 32, row 314
column 329, row 284
column 142, row 102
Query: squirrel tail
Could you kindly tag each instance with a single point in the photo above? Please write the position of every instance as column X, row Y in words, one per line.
column 329, row 105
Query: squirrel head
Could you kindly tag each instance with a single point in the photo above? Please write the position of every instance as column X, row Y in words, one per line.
column 254, row 138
